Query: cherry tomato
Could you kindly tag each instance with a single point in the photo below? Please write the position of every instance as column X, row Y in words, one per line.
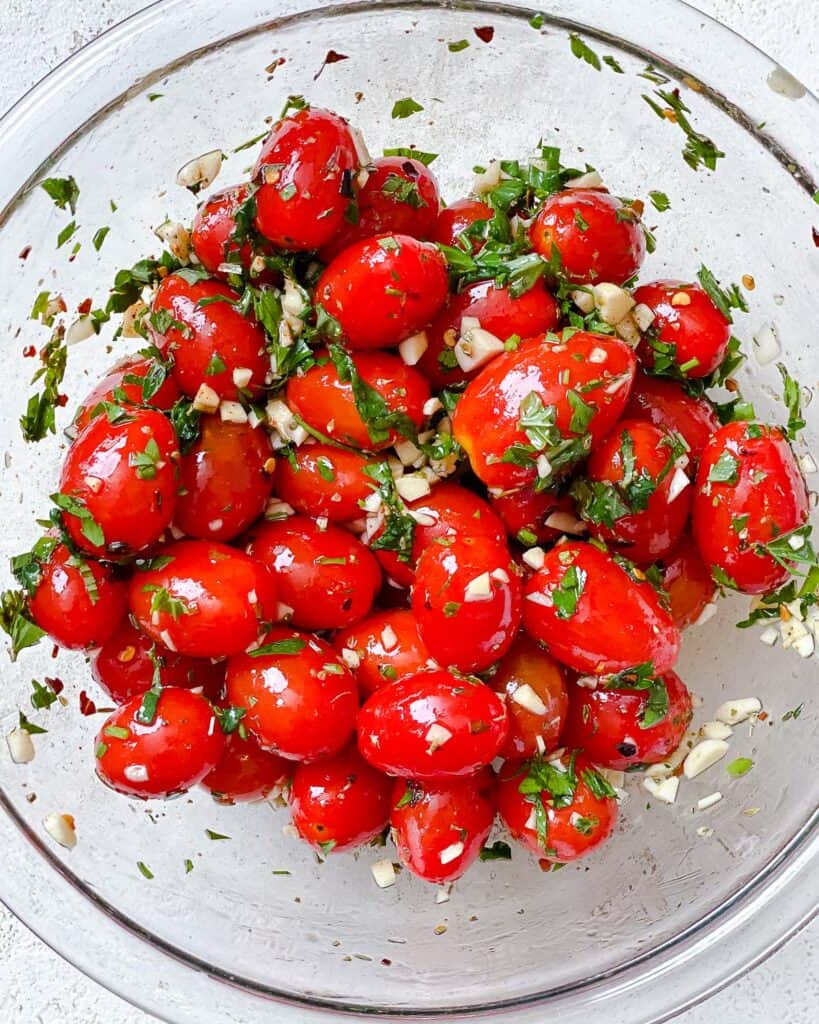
column 327, row 404
column 134, row 380
column 120, row 482
column 381, row 290
column 301, row 701
column 164, row 756
column 211, row 343
column 667, row 405
column 748, row 492
column 688, row 583
column 224, row 480
column 533, row 686
column 77, row 601
column 439, row 828
column 454, row 219
column 245, row 772
column 432, row 725
column 586, row 378
column 594, row 616
column 636, row 494
column 537, row 517
column 324, row 480
column 382, row 648
column 212, row 234
column 306, row 169
column 203, row 599
column 340, row 802
column 687, row 329
column 467, row 601
column 573, row 822
column 610, row 725
column 598, row 237
column 326, row 577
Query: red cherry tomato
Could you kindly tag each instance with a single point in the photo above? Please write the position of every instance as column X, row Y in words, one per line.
column 165, row 756
column 327, row 404
column 326, row 577
column 433, row 725
column 537, row 517
column 439, row 828
column 594, row 616
column 467, row 601
column 454, row 219
column 686, row 318
column 665, row 404
column 77, row 601
column 749, row 491
column 688, row 583
column 135, row 380
column 323, row 480
column 213, row 341
column 573, row 824
column 533, row 686
column 382, row 648
column 608, row 725
column 224, row 480
column 212, row 234
column 121, row 480
column 381, row 290
column 587, row 378
column 203, row 599
column 301, row 702
column 597, row 236
column 245, row 772
column 306, row 168
column 340, row 802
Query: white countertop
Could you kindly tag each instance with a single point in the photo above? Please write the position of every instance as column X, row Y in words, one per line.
column 36, row 986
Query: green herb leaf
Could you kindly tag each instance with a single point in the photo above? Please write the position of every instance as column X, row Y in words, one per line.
column 456, row 47
column 67, row 232
column 793, row 714
column 399, row 526
column 63, row 191
column 739, row 767
column 499, row 850
column 214, row 835
column 39, row 417
column 186, row 421
column 568, row 592
column 724, row 299
column 583, row 51
column 585, row 826
column 216, row 365
column 27, row 568
column 146, row 462
column 414, row 154
column 792, row 397
column 699, row 150
column 613, row 64
column 188, row 866
column 99, row 237
column 725, row 470
column 371, row 406
column 163, row 603
column 598, row 784
column 660, row 201
column 30, row 727
column 290, row 645
column 42, row 697
column 405, row 108
column 15, row 622
column 144, row 870
column 76, row 507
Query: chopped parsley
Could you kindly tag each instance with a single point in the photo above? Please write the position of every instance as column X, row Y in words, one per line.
column 739, row 766
column 725, row 299
column 144, row 870
column 66, row 234
column 146, row 462
column 792, row 397
column 214, row 835
column 399, row 526
column 699, row 150
column 725, row 470
column 380, row 420
column 63, row 191
column 215, row 365
column 545, row 438
column 42, row 696
column 414, row 154
column 598, row 784
column 402, row 190
column 164, row 602
column 583, row 51
column 27, row 568
column 660, row 201
column 405, row 108
column 456, row 47
column 545, row 783
column 39, row 417
column 15, row 622
column 30, row 727
column 290, row 645
column 567, row 593
column 89, row 527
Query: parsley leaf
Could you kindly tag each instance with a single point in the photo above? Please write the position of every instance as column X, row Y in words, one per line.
column 725, row 470
column 792, row 397
column 39, row 417
column 583, row 51
column 725, row 299
column 414, row 154
column 739, row 766
column 405, row 108
column 64, row 192
column 598, row 784
column 380, row 420
column 568, row 592
column 146, row 462
column 15, row 622
column 163, row 602
column 290, row 645
column 89, row 527
column 699, row 150
column 399, row 527
column 660, row 201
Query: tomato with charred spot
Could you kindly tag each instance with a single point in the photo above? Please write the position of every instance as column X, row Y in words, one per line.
column 667, row 405
column 325, row 480
column 457, row 218
column 687, row 329
column 134, row 380
column 382, row 648
column 246, row 773
column 687, row 581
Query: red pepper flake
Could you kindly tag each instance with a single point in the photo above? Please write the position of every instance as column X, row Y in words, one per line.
column 62, row 401
column 56, row 684
column 815, row 237
column 332, row 58
column 55, row 650
column 24, row 253
column 29, row 351
column 87, row 706
column 84, row 307
column 485, row 33
column 762, row 716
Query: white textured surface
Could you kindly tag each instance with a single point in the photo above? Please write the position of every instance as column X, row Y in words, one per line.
column 36, row 987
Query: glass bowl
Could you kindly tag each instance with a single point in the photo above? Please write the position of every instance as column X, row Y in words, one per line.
column 663, row 915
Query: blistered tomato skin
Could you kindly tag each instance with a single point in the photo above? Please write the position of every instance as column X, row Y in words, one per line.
column 340, row 802
column 595, row 369
column 687, row 581
column 74, row 615
column 607, row 724
column 327, row 404
column 433, row 725
column 685, row 317
column 324, row 480
column 664, row 403
column 223, row 482
column 454, row 219
column 439, row 828
column 603, row 620
column 467, row 601
column 748, row 492
column 381, row 290
column 206, row 600
column 138, row 379
column 124, row 477
column 214, row 340
column 325, row 576
column 537, row 517
column 168, row 756
column 610, row 247
column 301, row 701
column 306, row 172
column 245, row 772
column 213, row 229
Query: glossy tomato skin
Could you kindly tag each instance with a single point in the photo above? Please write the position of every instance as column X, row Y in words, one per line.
column 528, row 513
column 606, row 724
column 216, row 339
column 134, row 380
column 386, row 646
column 324, row 480
column 765, row 485
column 381, row 290
column 327, row 404
column 685, row 317
column 124, row 475
column 213, row 229
column 245, row 772
column 403, row 727
column 572, row 831
column 224, row 480
column 340, row 802
column 464, row 625
column 615, row 623
column 439, row 828
column 169, row 755
column 326, row 576
column 667, row 405
column 306, row 169
column 124, row 666
column 502, row 314
column 454, row 219
column 296, row 705
column 208, row 600
column 549, row 371
column 64, row 607
column 611, row 247
column 533, row 687
column 688, row 583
